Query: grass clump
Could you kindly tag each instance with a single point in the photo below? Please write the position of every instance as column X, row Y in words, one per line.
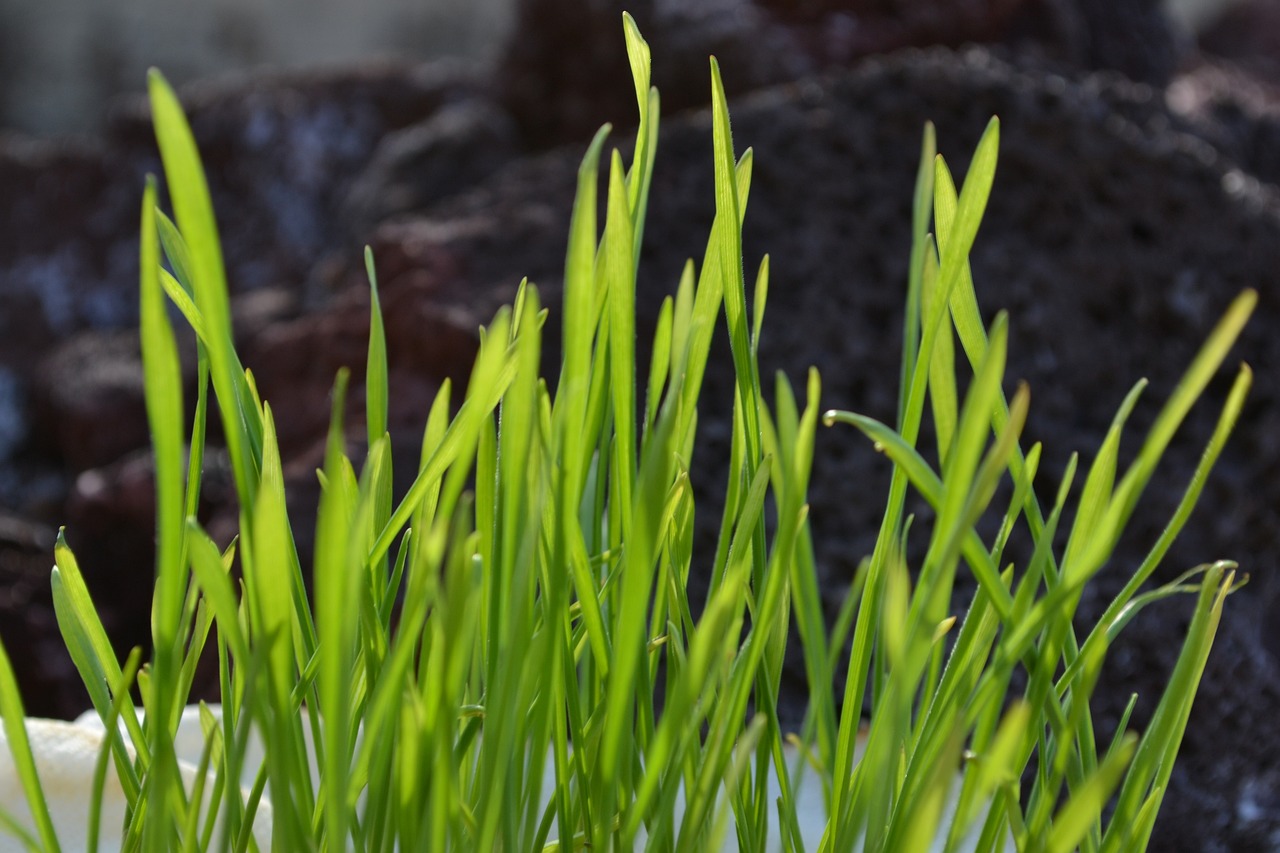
column 524, row 603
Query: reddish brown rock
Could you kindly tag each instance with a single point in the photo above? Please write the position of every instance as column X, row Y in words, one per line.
column 457, row 147
column 295, row 363
column 88, row 400
column 1237, row 110
column 562, row 78
column 1248, row 34
column 27, row 623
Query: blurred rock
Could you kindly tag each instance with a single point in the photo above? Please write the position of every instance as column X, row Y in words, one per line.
column 70, row 222
column 88, row 400
column 1248, row 35
column 88, row 405
column 1236, row 111
column 1132, row 37
column 562, row 77
column 28, row 627
column 283, row 150
column 110, row 525
column 280, row 152
column 456, row 148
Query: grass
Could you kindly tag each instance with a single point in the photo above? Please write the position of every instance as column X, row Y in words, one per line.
column 525, row 601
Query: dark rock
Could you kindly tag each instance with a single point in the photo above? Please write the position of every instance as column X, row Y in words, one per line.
column 254, row 312
column 27, row 622
column 294, row 363
column 68, row 261
column 88, row 405
column 1133, row 37
column 1237, row 111
column 562, row 75
column 457, row 147
column 282, row 152
column 89, row 402
column 70, row 253
column 1248, row 35
column 110, row 518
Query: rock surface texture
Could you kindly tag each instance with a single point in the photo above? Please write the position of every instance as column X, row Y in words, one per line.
column 1136, row 195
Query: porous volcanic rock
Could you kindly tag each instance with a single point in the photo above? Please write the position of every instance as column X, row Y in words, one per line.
column 1236, row 110
column 562, row 76
column 40, row 659
column 459, row 146
column 1248, row 34
column 1113, row 239
column 282, row 153
column 88, row 399
column 72, row 207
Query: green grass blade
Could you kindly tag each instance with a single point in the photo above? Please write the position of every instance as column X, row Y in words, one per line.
column 337, row 587
column 659, row 362
column 1082, row 811
column 956, row 241
column 163, row 391
column 175, row 250
column 92, row 654
column 190, row 195
column 921, row 207
column 268, row 557
column 619, row 265
column 727, row 231
column 640, row 176
column 1188, row 390
column 210, row 572
column 15, row 731
column 579, row 298
column 1148, row 775
column 174, row 290
column 942, row 366
column 375, row 387
column 758, row 308
column 111, row 730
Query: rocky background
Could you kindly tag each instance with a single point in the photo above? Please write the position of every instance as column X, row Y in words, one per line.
column 1136, row 195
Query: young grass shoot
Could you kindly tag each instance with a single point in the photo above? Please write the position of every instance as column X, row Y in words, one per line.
column 478, row 664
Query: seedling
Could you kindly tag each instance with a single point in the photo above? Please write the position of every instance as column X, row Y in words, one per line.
column 480, row 664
